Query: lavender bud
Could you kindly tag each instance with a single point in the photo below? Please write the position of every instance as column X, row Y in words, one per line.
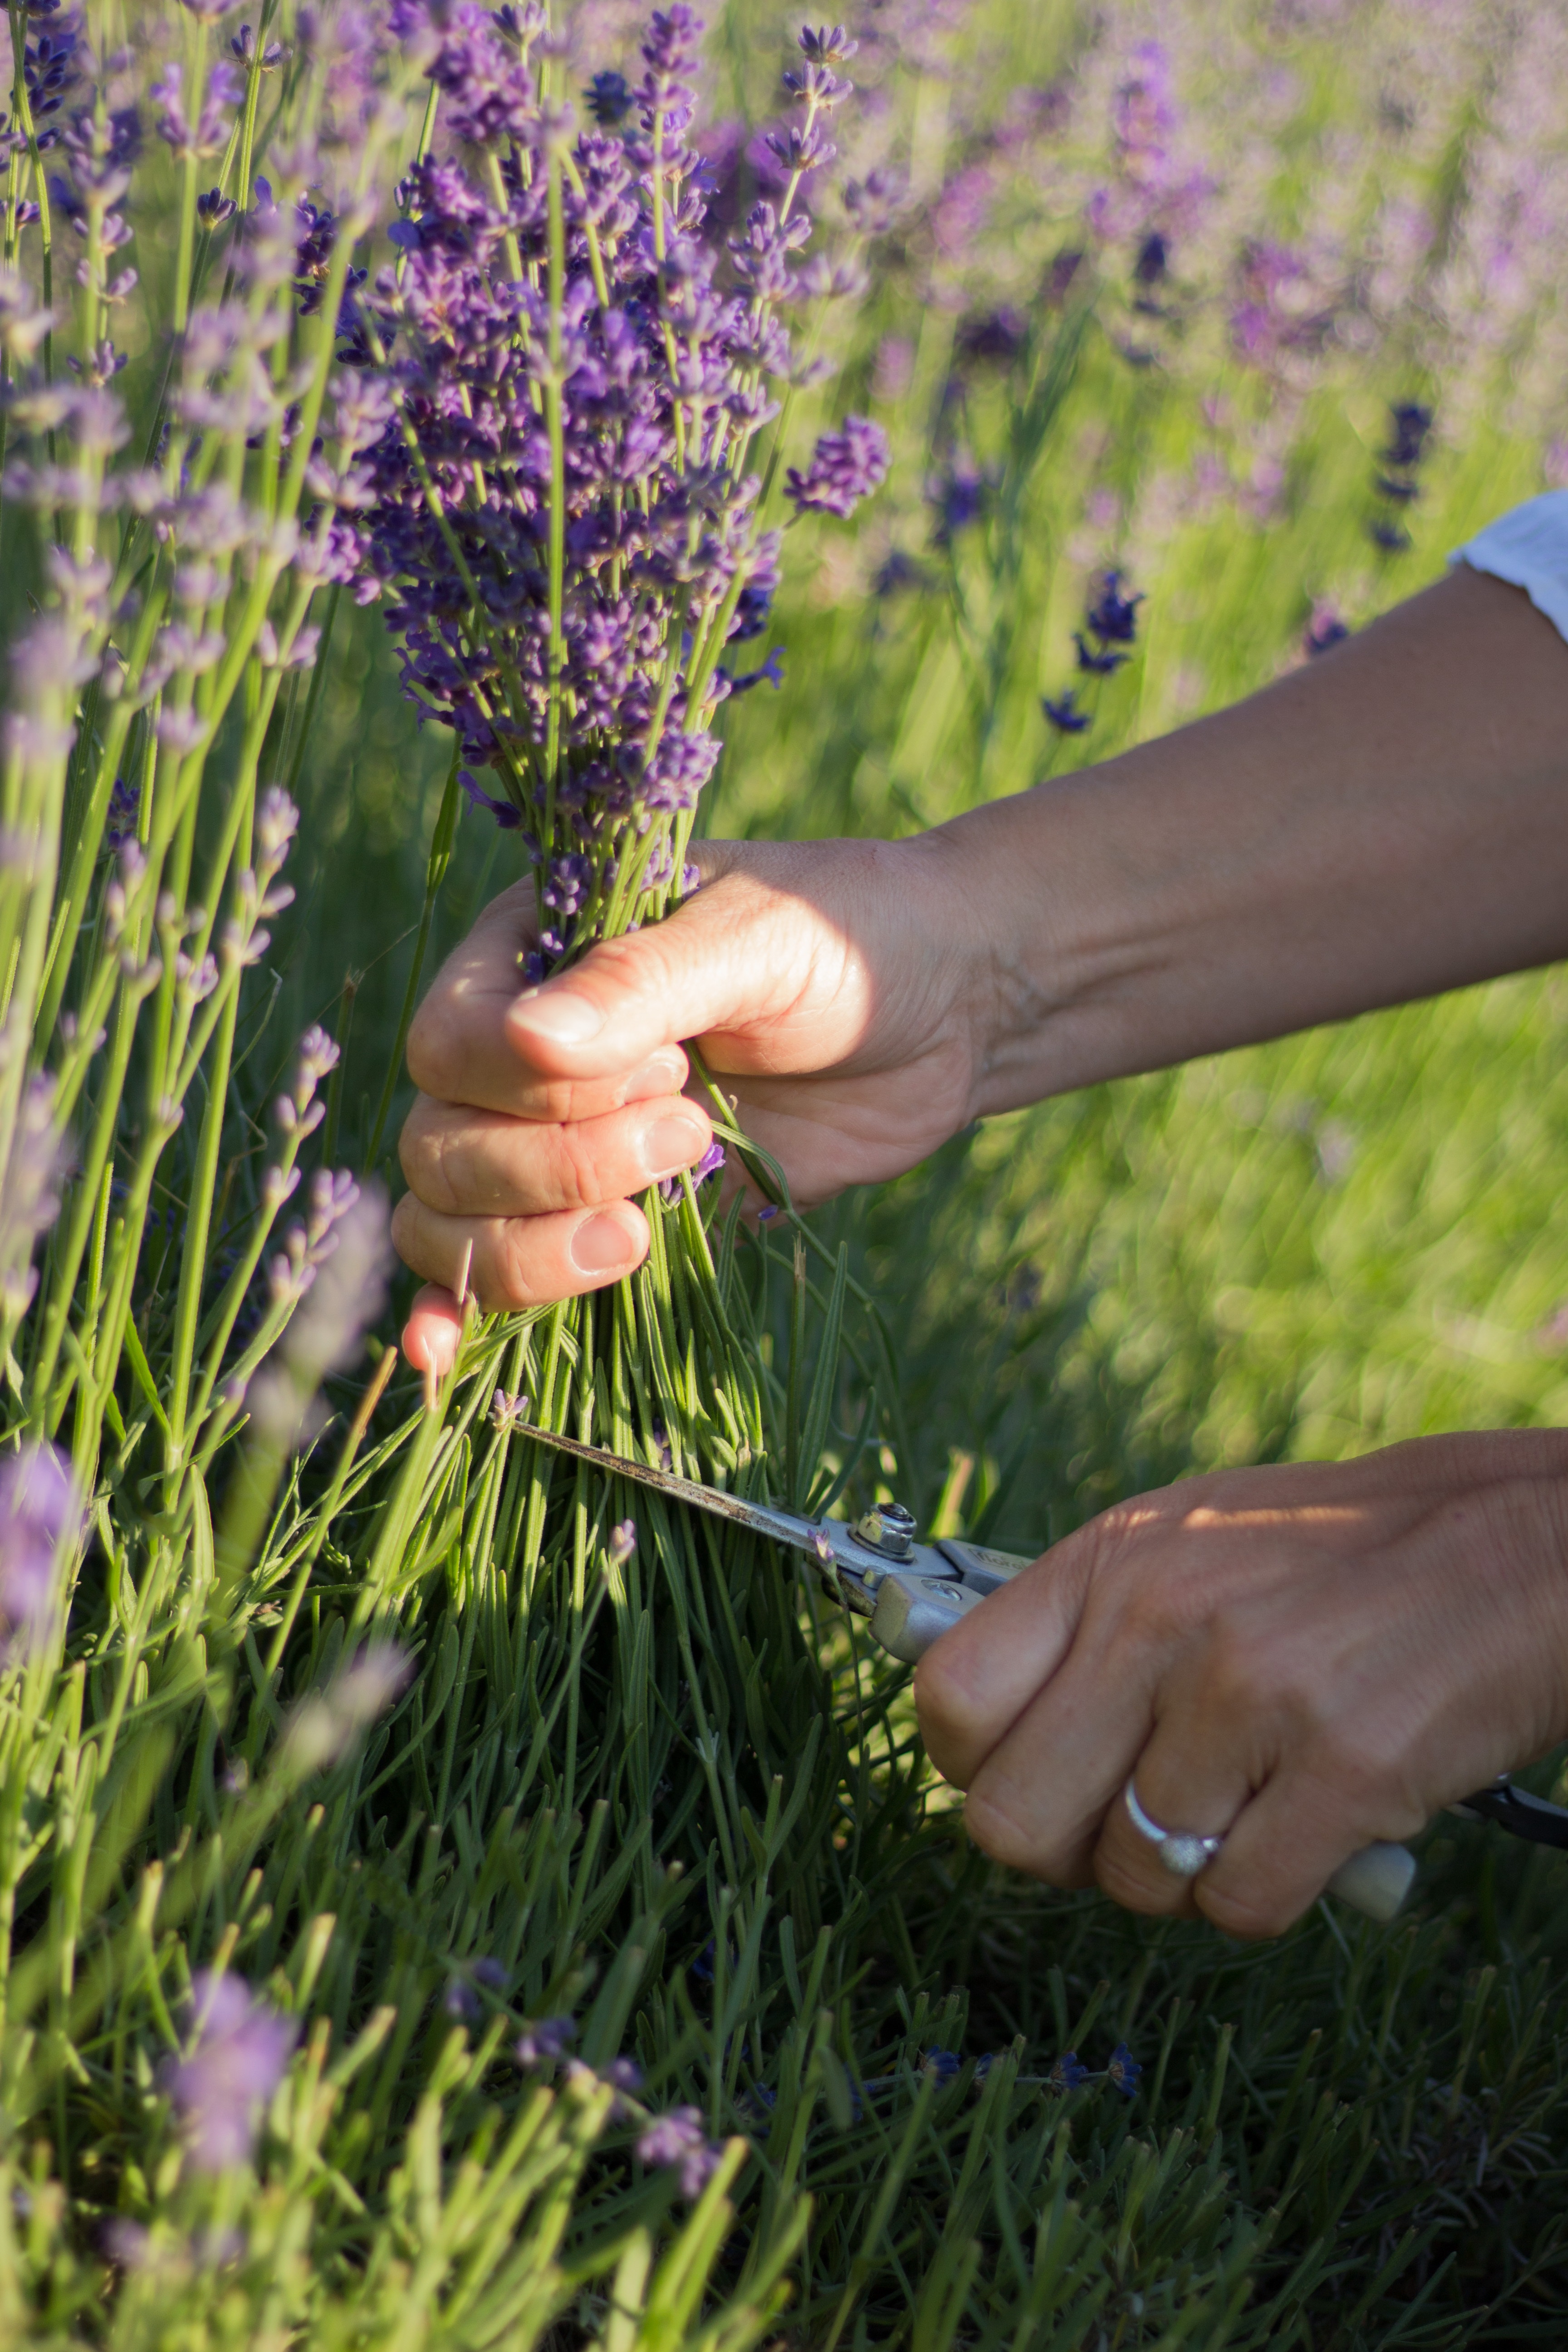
column 623, row 1541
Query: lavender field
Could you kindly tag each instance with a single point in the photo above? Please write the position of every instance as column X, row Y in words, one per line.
column 434, row 1912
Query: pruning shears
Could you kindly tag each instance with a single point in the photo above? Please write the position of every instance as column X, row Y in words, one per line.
column 914, row 1593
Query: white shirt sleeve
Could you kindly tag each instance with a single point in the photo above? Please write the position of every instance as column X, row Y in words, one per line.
column 1528, row 547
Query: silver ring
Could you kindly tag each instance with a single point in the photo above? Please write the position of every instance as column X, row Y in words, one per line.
column 1182, row 1853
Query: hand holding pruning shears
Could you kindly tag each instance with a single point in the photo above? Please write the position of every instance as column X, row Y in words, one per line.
column 1296, row 1661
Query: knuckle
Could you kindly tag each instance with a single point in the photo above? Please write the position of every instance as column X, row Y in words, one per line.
column 1255, row 1917
column 998, row 1834
column 1119, row 1876
column 510, row 1285
column 406, row 1236
column 577, row 1183
column 433, row 1039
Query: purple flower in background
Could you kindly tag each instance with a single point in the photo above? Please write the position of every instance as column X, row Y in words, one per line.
column 1064, row 713
column 1323, row 629
column 1125, row 2070
column 232, row 2069
column 623, row 2075
column 1100, row 662
column 943, row 2066
column 40, row 1523
column 30, row 1177
column 679, row 2142
column 1411, row 423
column 1112, row 617
column 1068, row 2073
column 846, row 466
column 543, row 2043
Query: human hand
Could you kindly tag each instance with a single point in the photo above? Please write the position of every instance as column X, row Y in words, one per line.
column 1303, row 1659
column 833, row 987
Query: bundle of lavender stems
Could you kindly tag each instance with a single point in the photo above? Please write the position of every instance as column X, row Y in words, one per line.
column 573, row 515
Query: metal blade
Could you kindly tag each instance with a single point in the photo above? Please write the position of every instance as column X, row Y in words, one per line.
column 783, row 1526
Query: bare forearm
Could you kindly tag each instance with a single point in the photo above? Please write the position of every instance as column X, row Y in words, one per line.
column 1389, row 822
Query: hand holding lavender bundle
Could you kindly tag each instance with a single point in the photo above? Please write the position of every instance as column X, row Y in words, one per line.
column 568, row 511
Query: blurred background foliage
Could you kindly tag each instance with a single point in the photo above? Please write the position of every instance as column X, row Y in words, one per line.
column 1300, row 1250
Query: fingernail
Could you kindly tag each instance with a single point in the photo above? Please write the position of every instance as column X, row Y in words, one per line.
column 670, row 1143
column 599, row 1245
column 566, row 1020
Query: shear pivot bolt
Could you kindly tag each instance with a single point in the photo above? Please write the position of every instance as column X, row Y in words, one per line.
column 889, row 1529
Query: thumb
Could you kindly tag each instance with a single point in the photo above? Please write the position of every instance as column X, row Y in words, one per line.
column 715, row 964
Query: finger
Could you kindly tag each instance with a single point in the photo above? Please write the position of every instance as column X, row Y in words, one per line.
column 727, row 966
column 515, row 1262
column 975, row 1684
column 1185, row 1783
column 465, row 1163
column 433, row 1331
column 1284, row 1848
column 460, row 1049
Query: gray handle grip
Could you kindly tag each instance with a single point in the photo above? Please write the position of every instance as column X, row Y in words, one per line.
column 913, row 1611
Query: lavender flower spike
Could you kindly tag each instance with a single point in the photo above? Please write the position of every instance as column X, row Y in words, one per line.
column 846, row 466
column 234, row 2067
column 40, row 1521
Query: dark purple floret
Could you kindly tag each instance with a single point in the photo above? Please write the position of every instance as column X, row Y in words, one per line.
column 1390, row 536
column 1125, row 2070
column 1325, row 629
column 1068, row 2073
column 125, row 806
column 1111, row 617
column 1099, row 661
column 608, row 98
column 543, row 2043
column 943, row 2066
column 1411, row 422
column 1064, row 713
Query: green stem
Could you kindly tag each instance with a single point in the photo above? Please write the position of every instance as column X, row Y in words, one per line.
column 434, row 875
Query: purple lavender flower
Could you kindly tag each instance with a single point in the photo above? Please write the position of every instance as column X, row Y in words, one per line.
column 1113, row 617
column 623, row 1541
column 30, row 1177
column 846, row 466
column 40, row 1524
column 1411, row 422
column 545, row 2042
column 1068, row 2073
column 233, row 2067
column 1099, row 661
column 1323, row 629
column 623, row 2075
column 598, row 743
column 124, row 807
column 1125, row 2070
column 943, row 2066
column 1064, row 713
column 679, row 2142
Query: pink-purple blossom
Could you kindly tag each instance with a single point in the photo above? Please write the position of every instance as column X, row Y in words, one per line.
column 679, row 2142
column 234, row 2064
column 40, row 1524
